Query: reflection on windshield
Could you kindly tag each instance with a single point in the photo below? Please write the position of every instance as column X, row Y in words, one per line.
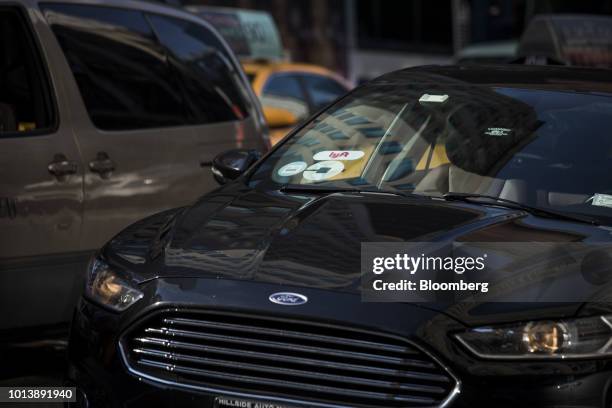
column 435, row 136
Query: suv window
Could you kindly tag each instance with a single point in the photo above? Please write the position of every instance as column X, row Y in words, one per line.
column 285, row 91
column 25, row 101
column 214, row 91
column 322, row 90
column 119, row 67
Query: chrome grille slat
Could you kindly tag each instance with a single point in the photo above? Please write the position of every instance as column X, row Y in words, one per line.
column 301, row 360
column 274, row 345
column 284, row 359
column 290, row 334
column 297, row 373
column 290, row 384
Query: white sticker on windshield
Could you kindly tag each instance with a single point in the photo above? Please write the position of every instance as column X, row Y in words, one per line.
column 602, row 200
column 291, row 169
column 323, row 170
column 433, row 98
column 339, row 155
column 497, row 131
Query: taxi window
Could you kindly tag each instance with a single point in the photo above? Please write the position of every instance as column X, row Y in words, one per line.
column 284, row 91
column 322, row 90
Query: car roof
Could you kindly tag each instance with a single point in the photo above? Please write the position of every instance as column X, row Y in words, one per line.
column 278, row 66
column 143, row 6
column 263, row 69
column 196, row 8
column 558, row 78
column 489, row 49
column 570, row 17
column 148, row 6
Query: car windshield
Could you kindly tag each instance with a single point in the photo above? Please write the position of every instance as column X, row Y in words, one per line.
column 544, row 148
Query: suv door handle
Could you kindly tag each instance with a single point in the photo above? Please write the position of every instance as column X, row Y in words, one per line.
column 61, row 167
column 102, row 165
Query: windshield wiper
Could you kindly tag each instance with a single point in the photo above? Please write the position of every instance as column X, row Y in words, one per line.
column 545, row 212
column 294, row 188
column 300, row 188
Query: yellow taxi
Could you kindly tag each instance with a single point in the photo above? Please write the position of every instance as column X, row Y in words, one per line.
column 291, row 92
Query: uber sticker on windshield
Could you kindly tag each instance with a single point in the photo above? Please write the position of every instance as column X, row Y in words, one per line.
column 498, row 131
column 339, row 155
column 323, row 170
column 291, row 169
column 602, row 200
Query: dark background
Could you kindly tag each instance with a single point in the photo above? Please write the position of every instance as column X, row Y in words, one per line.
column 347, row 36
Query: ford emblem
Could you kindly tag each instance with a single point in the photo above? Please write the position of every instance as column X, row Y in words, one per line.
column 288, row 299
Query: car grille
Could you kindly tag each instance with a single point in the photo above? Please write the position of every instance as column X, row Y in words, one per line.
column 285, row 359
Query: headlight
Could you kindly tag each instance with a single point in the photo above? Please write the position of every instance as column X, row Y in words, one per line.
column 577, row 338
column 107, row 287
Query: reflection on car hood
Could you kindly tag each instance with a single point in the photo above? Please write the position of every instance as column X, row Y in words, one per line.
column 304, row 240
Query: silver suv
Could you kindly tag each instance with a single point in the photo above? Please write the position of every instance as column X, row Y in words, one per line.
column 108, row 112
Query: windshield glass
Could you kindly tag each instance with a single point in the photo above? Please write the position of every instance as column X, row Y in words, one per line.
column 537, row 147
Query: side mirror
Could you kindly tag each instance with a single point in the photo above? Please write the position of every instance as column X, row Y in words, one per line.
column 278, row 117
column 232, row 164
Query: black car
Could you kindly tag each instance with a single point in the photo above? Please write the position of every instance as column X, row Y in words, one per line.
column 252, row 297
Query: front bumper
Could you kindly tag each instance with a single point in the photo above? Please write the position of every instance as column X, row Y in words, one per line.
column 99, row 370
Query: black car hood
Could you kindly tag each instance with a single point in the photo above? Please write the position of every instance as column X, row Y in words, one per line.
column 305, row 240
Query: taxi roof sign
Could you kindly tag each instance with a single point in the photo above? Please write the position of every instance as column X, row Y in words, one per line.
column 251, row 34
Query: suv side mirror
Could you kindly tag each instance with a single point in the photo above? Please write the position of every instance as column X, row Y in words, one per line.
column 232, row 164
column 278, row 117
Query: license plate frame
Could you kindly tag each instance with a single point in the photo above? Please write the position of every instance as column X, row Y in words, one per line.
column 222, row 401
